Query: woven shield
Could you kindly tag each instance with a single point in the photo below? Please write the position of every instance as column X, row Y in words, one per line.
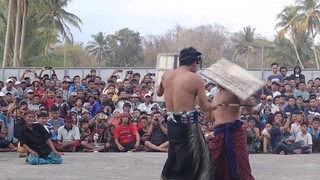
column 233, row 78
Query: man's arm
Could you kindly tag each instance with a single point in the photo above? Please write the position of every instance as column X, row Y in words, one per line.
column 163, row 129
column 203, row 103
column 49, row 143
column 287, row 124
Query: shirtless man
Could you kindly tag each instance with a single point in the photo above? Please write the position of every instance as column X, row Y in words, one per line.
column 228, row 117
column 188, row 156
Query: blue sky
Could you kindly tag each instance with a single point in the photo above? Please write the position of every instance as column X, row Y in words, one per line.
column 157, row 16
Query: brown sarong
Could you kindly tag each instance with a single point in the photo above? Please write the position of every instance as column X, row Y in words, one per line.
column 226, row 136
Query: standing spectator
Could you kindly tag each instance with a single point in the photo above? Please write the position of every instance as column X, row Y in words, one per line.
column 9, row 88
column 68, row 136
column 275, row 76
column 297, row 74
column 275, row 88
column 36, row 140
column 22, row 90
column 37, row 89
column 283, row 71
column 126, row 135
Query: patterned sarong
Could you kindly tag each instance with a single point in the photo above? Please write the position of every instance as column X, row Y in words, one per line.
column 229, row 152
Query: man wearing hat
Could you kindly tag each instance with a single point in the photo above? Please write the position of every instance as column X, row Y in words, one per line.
column 22, row 90
column 146, row 105
column 9, row 88
column 37, row 89
column 229, row 145
column 188, row 155
column 68, row 136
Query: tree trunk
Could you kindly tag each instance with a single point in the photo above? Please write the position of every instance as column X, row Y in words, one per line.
column 314, row 49
column 7, row 40
column 16, row 36
column 24, row 28
column 247, row 61
column 297, row 54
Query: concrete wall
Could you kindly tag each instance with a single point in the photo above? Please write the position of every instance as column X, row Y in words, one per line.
column 106, row 72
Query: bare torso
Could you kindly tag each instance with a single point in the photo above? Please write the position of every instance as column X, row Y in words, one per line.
column 225, row 114
column 180, row 90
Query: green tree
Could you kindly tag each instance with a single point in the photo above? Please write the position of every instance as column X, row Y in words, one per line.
column 98, row 47
column 245, row 44
column 309, row 17
column 289, row 25
column 124, row 48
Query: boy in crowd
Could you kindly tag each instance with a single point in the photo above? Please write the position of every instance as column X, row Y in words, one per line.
column 305, row 139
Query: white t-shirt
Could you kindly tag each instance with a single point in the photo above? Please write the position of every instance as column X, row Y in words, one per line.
column 295, row 129
column 68, row 136
column 307, row 139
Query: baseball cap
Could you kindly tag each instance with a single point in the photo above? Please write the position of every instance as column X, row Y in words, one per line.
column 134, row 95
column 146, row 95
column 269, row 97
column 9, row 93
column 17, row 83
column 29, row 91
column 9, row 80
column 23, row 81
column 2, row 94
column 118, row 81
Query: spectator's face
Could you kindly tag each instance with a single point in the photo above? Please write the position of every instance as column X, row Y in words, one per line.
column 317, row 82
column 47, row 83
column 136, row 114
column 55, row 114
column 292, row 102
column 91, row 99
column 123, row 94
column 147, row 78
column 278, row 119
column 50, row 94
column 97, row 80
column 282, row 100
column 276, row 101
column 268, row 127
column 59, row 99
column 29, row 118
column 84, row 82
column 125, row 120
column 10, row 84
column 134, row 100
column 315, row 124
column 116, row 114
column 36, row 100
column 204, row 129
column 147, row 99
column 79, row 102
column 68, row 124
column 103, row 98
column 144, row 123
column 137, row 78
column 275, row 69
column 9, row 98
column 91, row 85
column 252, row 123
column 126, row 84
column 80, row 94
column 42, row 120
column 313, row 103
column 283, row 72
column 287, row 88
column 302, row 86
column 304, row 128
column 30, row 95
column 84, row 126
column 293, row 84
column 86, row 116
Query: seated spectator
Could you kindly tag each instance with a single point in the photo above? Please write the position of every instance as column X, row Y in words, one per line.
column 274, row 108
column 253, row 136
column 292, row 106
column 266, row 138
column 55, row 121
column 315, row 134
column 68, row 136
column 36, row 140
column 5, row 142
column 42, row 118
column 278, row 146
column 305, row 139
column 313, row 107
column 94, row 143
column 126, row 135
column 158, row 140
column 297, row 118
column 115, row 120
column 143, row 132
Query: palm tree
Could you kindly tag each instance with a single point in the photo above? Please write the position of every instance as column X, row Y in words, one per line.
column 16, row 34
column 7, row 41
column 310, row 20
column 98, row 47
column 24, row 27
column 245, row 43
column 289, row 25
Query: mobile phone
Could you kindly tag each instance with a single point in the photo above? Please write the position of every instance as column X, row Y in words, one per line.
column 119, row 70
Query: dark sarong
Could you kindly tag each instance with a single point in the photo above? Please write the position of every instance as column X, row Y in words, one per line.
column 188, row 156
column 229, row 152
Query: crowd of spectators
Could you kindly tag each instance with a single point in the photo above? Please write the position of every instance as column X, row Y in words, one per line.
column 110, row 114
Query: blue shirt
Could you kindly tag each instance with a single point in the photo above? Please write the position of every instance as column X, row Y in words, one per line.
column 74, row 88
column 275, row 136
column 316, row 135
column 96, row 107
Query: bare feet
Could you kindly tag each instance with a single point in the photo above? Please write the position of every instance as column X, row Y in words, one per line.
column 282, row 153
column 297, row 151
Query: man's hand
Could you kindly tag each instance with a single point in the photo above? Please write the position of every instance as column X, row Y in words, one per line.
column 121, row 148
column 44, row 68
column 58, row 154
column 136, row 146
column 34, row 154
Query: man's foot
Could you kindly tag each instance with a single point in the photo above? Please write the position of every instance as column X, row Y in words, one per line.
column 282, row 153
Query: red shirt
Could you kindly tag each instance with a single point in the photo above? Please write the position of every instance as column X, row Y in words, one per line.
column 127, row 134
column 39, row 91
column 48, row 103
column 139, row 126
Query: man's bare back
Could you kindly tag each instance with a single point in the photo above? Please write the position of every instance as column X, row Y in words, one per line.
column 181, row 88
